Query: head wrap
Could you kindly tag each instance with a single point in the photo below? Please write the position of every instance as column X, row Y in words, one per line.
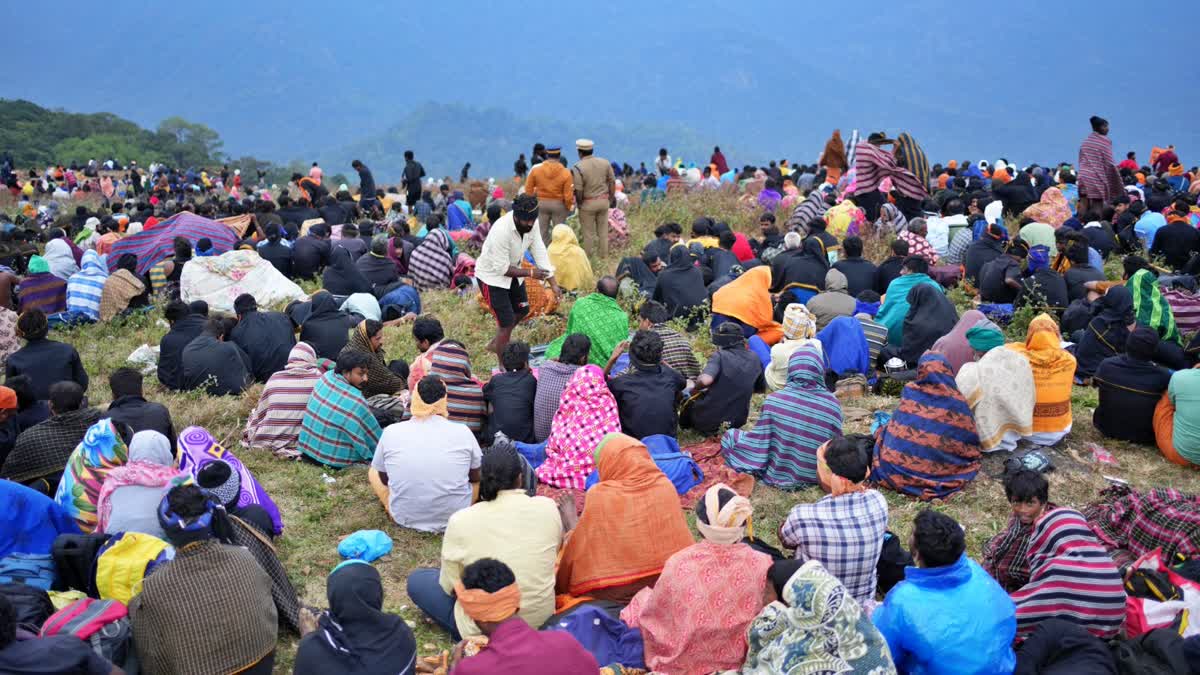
column 983, row 339
column 8, row 399
column 219, row 478
column 179, row 531
column 422, row 408
column 1039, row 258
column 525, row 212
column 1175, row 170
column 726, row 524
column 1142, row 343
column 491, row 607
column 728, row 334
column 38, row 265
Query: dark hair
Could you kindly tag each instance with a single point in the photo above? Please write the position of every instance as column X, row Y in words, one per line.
column 850, row 456
column 768, row 217
column 1132, row 264
column 515, row 356
column 348, row 360
column 1025, row 486
column 199, row 307
column 607, row 285
column 868, row 296
column 214, row 327
column 723, row 498
column 32, row 324
column 900, row 247
column 499, row 470
column 727, row 240
column 427, row 329
column 372, row 327
column 125, row 382
column 487, row 574
column 182, row 248
column 954, row 207
column 66, row 396
column 853, row 246
column 655, row 312
column 8, row 622
column 575, row 349
column 431, row 388
column 22, row 386
column 646, row 347
column 916, row 264
column 244, row 304
column 937, row 538
column 187, row 501
column 1097, row 122
column 493, row 212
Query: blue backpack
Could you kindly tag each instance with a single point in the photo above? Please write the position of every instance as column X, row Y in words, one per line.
column 676, row 465
column 28, row 568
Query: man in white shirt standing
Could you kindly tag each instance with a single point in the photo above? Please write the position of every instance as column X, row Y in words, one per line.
column 499, row 272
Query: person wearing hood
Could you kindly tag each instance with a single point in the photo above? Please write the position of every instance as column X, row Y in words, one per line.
column 1106, row 332
column 572, row 269
column 802, row 276
column 377, row 267
column 355, row 636
column 834, row 301
column 680, row 285
column 266, row 337
column 129, row 498
column 59, row 256
column 124, row 289
column 40, row 290
column 84, row 290
column 1017, row 195
column 1131, row 385
column 341, row 277
column 322, row 324
column 311, row 252
column 220, row 367
column 930, row 316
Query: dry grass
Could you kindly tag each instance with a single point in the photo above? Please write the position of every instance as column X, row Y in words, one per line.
column 318, row 513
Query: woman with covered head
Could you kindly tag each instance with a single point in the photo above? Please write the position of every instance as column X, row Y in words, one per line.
column 1106, row 333
column 930, row 316
column 40, row 289
column 682, row 633
column 680, row 286
column 341, row 277
column 1130, row 386
column 572, row 269
column 587, row 411
column 813, row 625
column 206, row 578
column 781, row 449
column 275, row 422
column 1053, row 374
column 929, row 449
column 356, row 636
column 130, row 495
column 999, row 386
column 746, row 301
column 124, row 289
column 432, row 261
column 367, row 338
column 630, row 526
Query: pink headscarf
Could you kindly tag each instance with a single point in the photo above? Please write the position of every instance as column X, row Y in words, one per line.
column 586, row 413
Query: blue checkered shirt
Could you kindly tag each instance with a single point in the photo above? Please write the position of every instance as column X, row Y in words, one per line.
column 845, row 533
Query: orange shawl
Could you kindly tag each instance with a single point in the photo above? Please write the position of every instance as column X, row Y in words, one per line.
column 834, row 156
column 631, row 522
column 1053, row 374
column 748, row 299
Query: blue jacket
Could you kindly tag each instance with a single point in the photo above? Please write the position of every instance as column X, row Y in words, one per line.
column 949, row 620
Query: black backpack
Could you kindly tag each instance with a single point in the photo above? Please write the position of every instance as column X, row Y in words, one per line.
column 75, row 561
column 1159, row 652
column 31, row 605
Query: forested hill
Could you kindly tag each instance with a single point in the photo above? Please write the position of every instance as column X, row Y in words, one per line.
column 37, row 136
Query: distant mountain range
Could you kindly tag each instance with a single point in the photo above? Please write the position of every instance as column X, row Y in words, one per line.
column 445, row 136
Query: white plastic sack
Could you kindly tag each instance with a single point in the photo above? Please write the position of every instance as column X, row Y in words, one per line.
column 144, row 358
column 218, row 280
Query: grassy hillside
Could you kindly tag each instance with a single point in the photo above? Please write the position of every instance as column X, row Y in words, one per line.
column 321, row 506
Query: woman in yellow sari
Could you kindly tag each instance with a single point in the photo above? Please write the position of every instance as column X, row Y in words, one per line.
column 572, row 269
column 1053, row 375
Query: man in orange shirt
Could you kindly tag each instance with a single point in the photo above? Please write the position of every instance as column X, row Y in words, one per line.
column 551, row 183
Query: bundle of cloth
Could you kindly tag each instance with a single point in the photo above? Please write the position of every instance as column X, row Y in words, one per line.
column 157, row 244
column 218, row 280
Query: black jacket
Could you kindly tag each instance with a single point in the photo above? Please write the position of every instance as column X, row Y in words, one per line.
column 323, row 325
column 647, row 398
column 267, row 338
column 309, row 255
column 1176, row 242
column 279, row 255
column 379, row 270
column 296, row 215
column 222, row 368
column 46, row 362
column 887, row 272
column 860, row 274
column 1044, row 286
column 170, row 349
column 142, row 415
column 981, row 252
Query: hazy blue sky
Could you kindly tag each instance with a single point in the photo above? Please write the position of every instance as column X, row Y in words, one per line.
column 968, row 80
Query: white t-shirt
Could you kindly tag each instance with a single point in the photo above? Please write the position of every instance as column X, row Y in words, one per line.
column 427, row 461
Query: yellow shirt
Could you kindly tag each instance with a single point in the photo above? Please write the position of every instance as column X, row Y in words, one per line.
column 522, row 531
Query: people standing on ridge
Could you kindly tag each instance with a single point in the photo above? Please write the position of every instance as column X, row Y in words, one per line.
column 1098, row 180
column 550, row 182
column 413, row 173
column 595, row 186
column 366, row 187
